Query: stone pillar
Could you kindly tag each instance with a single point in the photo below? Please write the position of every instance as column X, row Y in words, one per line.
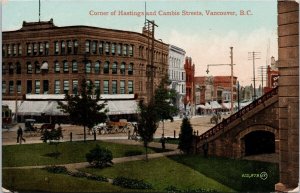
column 288, row 94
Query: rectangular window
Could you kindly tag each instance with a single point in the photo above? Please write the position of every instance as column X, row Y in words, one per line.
column 114, row 87
column 41, row 48
column 113, row 49
column 46, row 48
column 29, row 49
column 97, row 87
column 100, row 48
column 130, row 87
column 3, row 87
column 130, row 69
column 66, row 66
column 10, row 68
column 74, row 66
column 37, row 87
column 3, row 50
column 15, row 49
column 11, row 87
column 75, row 47
column 3, row 68
column 88, row 68
column 18, row 68
column 9, row 50
column 119, row 49
column 45, row 86
column 19, row 86
column 70, row 45
column 122, row 86
column 105, row 87
column 35, row 48
column 20, row 50
column 124, row 50
column 107, row 48
column 66, row 86
column 106, row 68
column 29, row 86
column 75, row 86
column 29, row 68
column 56, row 67
column 131, row 50
column 57, row 87
column 56, row 47
column 94, row 47
column 37, row 68
column 87, row 46
column 63, row 47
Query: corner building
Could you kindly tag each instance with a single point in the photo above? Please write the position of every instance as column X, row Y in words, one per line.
column 42, row 58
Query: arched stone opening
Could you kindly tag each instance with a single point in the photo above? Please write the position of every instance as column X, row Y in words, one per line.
column 259, row 142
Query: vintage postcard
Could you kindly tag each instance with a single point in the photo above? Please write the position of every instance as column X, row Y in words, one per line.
column 150, row 96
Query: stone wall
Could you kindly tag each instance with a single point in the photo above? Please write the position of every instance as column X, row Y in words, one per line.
column 288, row 93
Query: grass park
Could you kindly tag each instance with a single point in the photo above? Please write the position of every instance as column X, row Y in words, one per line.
column 178, row 173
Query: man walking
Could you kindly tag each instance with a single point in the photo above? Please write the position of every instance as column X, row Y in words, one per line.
column 20, row 135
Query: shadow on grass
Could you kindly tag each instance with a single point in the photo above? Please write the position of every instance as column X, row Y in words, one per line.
column 53, row 155
column 240, row 175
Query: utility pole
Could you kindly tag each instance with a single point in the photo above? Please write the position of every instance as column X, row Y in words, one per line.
column 149, row 27
column 255, row 55
column 231, row 65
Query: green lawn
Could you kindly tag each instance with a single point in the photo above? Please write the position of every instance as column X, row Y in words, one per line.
column 161, row 173
column 37, row 180
column 71, row 152
column 230, row 171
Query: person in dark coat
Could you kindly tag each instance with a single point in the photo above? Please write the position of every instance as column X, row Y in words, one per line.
column 205, row 148
column 20, row 135
column 163, row 142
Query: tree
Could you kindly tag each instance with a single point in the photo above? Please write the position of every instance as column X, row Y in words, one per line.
column 163, row 98
column 53, row 136
column 84, row 109
column 186, row 136
column 147, row 123
column 99, row 157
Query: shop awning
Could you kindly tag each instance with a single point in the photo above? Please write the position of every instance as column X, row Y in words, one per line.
column 118, row 107
column 215, row 105
column 12, row 105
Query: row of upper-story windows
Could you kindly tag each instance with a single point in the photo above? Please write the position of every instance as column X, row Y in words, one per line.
column 42, row 87
column 158, row 56
column 97, row 68
column 175, row 62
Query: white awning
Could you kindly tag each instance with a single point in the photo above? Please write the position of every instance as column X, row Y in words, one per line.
column 32, row 107
column 215, row 105
column 201, row 107
column 122, row 107
column 44, row 66
column 12, row 105
column 207, row 106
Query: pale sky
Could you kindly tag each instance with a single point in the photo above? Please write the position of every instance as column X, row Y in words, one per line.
column 205, row 38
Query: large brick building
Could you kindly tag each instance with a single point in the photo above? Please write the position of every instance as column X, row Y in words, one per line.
column 41, row 58
column 189, row 102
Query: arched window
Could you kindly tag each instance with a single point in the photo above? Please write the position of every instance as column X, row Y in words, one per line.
column 66, row 66
column 114, row 68
column 10, row 68
column 97, row 67
column 37, row 67
column 122, row 68
column 75, row 46
column 106, row 67
column 29, row 68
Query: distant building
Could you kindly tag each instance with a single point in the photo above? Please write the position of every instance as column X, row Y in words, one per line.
column 177, row 74
column 272, row 75
column 189, row 102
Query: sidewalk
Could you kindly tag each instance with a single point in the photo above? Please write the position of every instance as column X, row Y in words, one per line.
column 75, row 166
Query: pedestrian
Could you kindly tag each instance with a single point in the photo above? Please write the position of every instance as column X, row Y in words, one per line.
column 163, row 142
column 20, row 135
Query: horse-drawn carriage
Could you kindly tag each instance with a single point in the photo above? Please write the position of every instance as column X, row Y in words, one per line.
column 215, row 118
column 30, row 126
column 111, row 127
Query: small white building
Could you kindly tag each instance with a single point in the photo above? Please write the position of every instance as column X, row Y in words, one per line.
column 177, row 74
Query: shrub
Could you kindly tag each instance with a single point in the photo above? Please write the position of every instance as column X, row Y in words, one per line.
column 131, row 183
column 56, row 169
column 173, row 189
column 186, row 136
column 99, row 157
column 97, row 178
